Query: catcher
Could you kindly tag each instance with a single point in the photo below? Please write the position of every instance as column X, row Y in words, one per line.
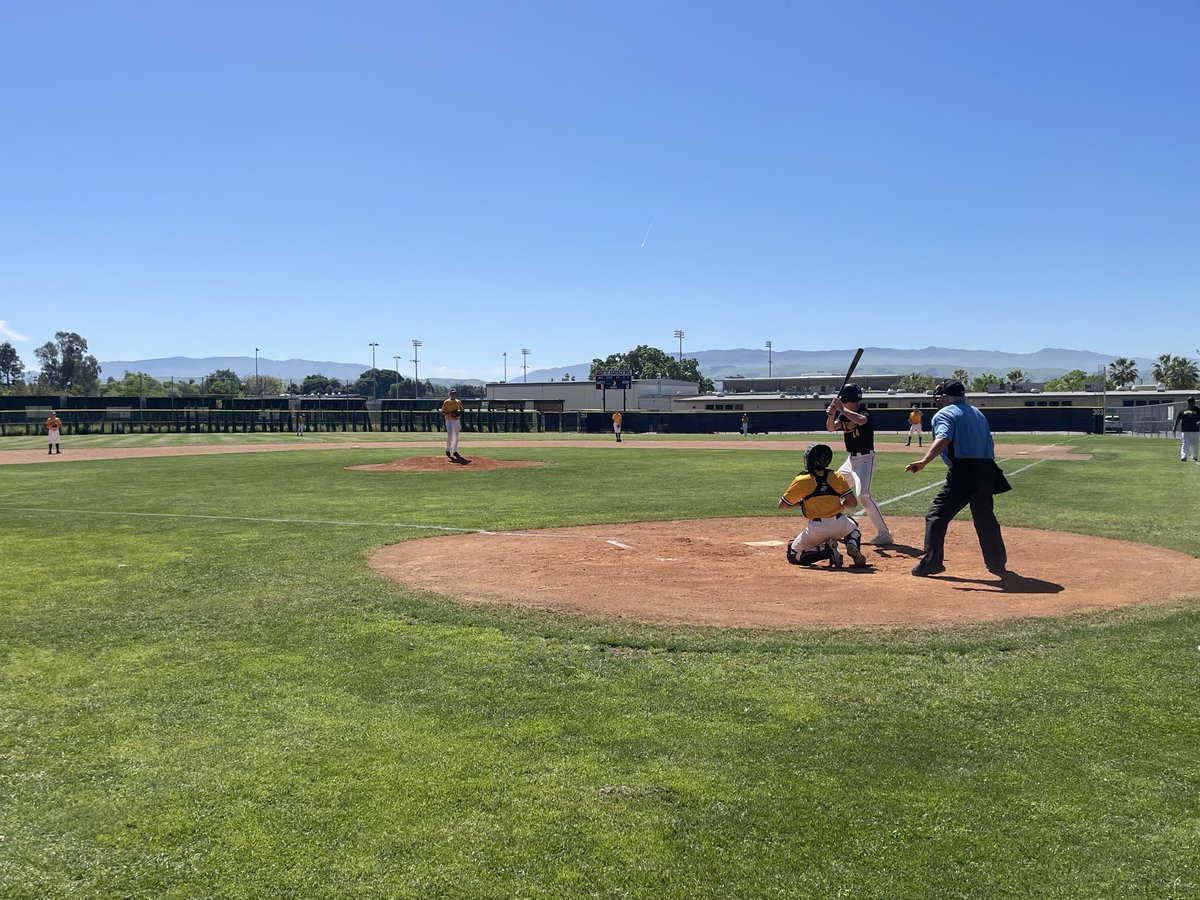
column 823, row 496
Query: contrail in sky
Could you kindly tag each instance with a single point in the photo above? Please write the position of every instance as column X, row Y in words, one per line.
column 652, row 221
column 7, row 332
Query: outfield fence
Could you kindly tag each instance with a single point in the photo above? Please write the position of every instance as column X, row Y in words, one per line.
column 125, row 415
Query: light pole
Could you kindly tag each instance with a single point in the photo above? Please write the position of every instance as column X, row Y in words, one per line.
column 525, row 361
column 374, row 373
column 397, row 361
column 768, row 359
column 416, row 381
column 257, row 383
column 679, row 334
column 505, row 355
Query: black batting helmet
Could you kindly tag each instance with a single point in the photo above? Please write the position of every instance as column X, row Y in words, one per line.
column 850, row 393
column 818, row 456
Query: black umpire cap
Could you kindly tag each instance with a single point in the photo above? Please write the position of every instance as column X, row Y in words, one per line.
column 951, row 388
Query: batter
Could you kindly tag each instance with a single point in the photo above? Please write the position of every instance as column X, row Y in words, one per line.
column 845, row 415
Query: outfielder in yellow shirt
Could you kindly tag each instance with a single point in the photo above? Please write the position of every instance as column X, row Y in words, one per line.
column 914, row 426
column 53, row 429
column 617, row 425
column 452, row 410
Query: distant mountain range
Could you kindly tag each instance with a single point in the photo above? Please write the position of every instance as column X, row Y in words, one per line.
column 940, row 362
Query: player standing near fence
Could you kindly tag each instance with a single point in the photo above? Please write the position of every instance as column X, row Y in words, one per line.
column 53, row 429
column 1188, row 425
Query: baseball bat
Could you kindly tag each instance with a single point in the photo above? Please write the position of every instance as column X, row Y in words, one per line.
column 845, row 381
column 853, row 365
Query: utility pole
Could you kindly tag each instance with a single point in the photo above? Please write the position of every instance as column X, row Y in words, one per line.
column 416, row 380
column 525, row 362
column 374, row 372
column 679, row 334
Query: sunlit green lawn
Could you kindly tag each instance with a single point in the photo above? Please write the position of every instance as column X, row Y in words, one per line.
column 204, row 692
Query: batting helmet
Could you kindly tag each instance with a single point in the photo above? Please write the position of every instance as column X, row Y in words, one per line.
column 850, row 393
column 818, row 456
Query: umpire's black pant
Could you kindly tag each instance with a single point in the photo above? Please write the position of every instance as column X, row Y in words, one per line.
column 969, row 482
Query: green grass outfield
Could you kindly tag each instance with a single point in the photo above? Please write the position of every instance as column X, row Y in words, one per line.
column 204, row 692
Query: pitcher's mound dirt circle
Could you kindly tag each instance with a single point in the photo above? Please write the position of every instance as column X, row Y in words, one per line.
column 730, row 572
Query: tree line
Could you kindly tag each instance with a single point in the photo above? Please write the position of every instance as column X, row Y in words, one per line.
column 1176, row 373
column 68, row 368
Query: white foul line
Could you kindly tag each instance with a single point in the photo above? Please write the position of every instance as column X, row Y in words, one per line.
column 930, row 487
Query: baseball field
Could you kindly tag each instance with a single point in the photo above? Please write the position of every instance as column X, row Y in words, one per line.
column 223, row 673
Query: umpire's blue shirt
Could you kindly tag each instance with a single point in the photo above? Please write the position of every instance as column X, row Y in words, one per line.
column 966, row 428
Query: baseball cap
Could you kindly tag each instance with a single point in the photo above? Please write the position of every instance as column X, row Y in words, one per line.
column 950, row 387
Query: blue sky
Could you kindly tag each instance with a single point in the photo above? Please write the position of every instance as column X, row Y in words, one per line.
column 577, row 178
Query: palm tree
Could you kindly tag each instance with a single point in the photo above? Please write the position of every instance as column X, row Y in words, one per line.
column 1015, row 377
column 1182, row 374
column 961, row 375
column 1158, row 371
column 1122, row 373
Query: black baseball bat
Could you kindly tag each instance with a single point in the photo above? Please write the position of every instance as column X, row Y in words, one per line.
column 845, row 381
column 853, row 365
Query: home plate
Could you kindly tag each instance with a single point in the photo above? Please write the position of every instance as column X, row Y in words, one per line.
column 764, row 543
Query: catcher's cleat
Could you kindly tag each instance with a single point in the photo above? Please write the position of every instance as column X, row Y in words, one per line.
column 791, row 556
column 835, row 555
column 856, row 554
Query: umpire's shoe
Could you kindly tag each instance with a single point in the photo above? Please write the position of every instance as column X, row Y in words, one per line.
column 924, row 569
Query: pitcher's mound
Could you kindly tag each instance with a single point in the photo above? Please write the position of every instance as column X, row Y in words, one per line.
column 733, row 572
column 442, row 464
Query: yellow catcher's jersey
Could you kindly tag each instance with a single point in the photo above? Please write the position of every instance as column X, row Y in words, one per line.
column 817, row 507
column 451, row 408
column 914, row 417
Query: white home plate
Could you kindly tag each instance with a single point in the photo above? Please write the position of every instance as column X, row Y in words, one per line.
column 764, row 543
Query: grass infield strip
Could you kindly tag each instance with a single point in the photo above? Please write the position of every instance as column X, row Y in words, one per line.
column 194, row 705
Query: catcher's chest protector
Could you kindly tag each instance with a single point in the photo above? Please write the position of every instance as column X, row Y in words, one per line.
column 821, row 490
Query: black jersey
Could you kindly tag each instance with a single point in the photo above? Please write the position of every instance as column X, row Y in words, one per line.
column 859, row 438
column 1189, row 419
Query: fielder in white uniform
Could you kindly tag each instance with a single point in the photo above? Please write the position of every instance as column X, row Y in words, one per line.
column 844, row 415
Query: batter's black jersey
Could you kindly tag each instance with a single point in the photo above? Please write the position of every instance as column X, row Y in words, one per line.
column 859, row 438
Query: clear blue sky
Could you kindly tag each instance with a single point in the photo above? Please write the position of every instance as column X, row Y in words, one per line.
column 576, row 178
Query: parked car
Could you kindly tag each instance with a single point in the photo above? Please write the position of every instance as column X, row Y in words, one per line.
column 1112, row 425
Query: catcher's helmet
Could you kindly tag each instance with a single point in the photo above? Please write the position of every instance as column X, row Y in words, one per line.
column 818, row 456
column 851, row 393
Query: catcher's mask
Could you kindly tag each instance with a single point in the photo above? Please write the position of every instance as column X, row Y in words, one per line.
column 851, row 393
column 818, row 456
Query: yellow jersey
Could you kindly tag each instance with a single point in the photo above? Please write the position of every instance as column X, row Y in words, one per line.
column 914, row 417
column 616, row 418
column 53, row 422
column 451, row 408
column 822, row 505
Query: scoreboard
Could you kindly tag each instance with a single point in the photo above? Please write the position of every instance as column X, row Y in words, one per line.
column 613, row 380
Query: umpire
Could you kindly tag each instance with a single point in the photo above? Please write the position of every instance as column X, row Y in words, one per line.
column 963, row 439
